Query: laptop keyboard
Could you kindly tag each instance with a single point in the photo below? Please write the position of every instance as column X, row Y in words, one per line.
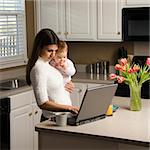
column 70, row 115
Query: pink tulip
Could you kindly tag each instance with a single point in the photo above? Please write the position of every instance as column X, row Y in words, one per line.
column 130, row 73
column 130, row 70
column 120, row 79
column 112, row 76
column 123, row 61
column 136, row 68
column 123, row 68
column 118, row 67
column 148, row 61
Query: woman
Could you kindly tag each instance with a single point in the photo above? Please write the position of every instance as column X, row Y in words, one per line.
column 47, row 81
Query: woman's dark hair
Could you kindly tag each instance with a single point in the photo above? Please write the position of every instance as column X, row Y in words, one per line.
column 43, row 38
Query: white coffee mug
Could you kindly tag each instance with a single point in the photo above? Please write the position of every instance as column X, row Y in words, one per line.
column 61, row 119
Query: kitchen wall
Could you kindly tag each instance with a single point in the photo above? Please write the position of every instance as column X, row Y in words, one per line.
column 79, row 52
column 85, row 53
column 30, row 24
column 142, row 48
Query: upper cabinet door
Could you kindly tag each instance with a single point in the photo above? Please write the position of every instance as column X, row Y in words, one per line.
column 51, row 14
column 109, row 20
column 137, row 2
column 81, row 19
column 70, row 19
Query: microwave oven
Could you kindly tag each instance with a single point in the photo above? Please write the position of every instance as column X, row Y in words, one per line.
column 136, row 24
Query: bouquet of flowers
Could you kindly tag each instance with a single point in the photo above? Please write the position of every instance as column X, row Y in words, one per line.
column 134, row 75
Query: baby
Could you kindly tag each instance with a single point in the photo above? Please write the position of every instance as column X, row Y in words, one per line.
column 62, row 63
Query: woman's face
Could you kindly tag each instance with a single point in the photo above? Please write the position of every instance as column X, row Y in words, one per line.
column 48, row 52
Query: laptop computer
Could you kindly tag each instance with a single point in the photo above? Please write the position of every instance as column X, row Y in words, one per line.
column 94, row 105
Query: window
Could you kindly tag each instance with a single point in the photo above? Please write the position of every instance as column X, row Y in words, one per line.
column 12, row 33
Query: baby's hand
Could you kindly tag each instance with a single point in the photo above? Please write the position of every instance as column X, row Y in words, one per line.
column 63, row 65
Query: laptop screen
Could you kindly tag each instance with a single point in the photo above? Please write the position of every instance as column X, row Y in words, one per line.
column 96, row 101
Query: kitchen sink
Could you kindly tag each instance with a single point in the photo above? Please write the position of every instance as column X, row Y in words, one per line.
column 12, row 84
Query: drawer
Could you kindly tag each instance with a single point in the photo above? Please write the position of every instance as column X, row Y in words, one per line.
column 21, row 99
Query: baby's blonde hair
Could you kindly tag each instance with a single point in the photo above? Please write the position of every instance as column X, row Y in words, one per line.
column 62, row 46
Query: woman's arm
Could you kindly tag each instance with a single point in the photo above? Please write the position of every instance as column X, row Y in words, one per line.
column 52, row 106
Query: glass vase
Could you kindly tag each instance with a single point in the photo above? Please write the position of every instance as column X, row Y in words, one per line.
column 135, row 98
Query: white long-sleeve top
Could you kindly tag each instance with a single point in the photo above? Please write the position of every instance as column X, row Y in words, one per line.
column 48, row 84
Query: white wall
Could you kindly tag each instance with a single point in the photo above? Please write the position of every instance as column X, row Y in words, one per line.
column 11, row 73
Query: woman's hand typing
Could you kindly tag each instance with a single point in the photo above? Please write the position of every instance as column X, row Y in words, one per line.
column 73, row 109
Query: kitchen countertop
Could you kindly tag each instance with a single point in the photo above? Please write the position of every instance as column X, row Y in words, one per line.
column 124, row 126
column 78, row 77
column 7, row 93
column 91, row 78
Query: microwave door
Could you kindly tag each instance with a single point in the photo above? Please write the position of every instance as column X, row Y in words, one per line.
column 135, row 24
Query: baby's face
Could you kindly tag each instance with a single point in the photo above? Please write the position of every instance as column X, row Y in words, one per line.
column 60, row 58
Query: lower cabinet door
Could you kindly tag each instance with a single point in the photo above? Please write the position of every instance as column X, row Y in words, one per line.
column 36, row 119
column 21, row 136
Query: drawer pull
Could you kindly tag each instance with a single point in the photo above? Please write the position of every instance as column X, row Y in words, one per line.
column 66, row 33
column 30, row 114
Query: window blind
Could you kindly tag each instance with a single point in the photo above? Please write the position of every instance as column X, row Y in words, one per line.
column 12, row 32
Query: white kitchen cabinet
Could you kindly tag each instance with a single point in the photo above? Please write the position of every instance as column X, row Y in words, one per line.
column 51, row 14
column 81, row 19
column 138, row 2
column 86, row 20
column 23, row 117
column 21, row 128
column 109, row 20
column 36, row 119
column 21, row 121
column 72, row 20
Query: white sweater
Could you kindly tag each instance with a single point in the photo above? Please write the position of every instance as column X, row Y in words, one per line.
column 48, row 84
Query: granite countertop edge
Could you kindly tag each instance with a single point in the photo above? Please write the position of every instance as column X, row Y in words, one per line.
column 102, row 137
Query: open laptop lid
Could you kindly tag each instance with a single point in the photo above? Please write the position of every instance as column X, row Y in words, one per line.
column 96, row 102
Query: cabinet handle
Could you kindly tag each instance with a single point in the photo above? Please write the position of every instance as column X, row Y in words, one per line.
column 30, row 114
column 118, row 33
column 79, row 90
column 66, row 33
column 58, row 32
column 36, row 112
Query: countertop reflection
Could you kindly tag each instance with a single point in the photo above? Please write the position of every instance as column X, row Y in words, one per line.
column 92, row 78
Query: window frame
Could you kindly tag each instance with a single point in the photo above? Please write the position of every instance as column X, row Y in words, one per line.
column 17, row 60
